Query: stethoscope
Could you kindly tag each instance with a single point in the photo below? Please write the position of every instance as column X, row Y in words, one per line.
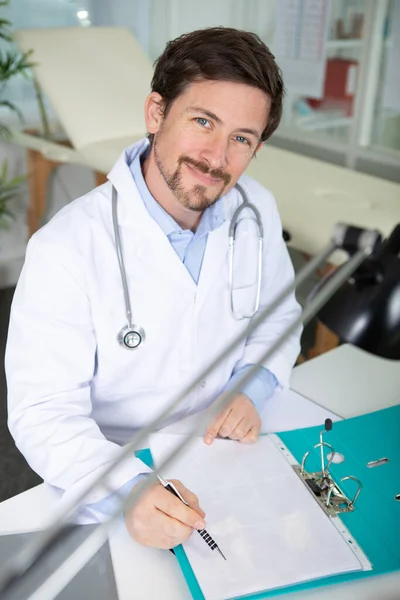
column 131, row 335
column 232, row 241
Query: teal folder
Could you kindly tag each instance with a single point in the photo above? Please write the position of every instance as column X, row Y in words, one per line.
column 375, row 521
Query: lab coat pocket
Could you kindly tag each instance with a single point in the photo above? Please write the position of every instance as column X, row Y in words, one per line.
column 244, row 301
column 245, row 256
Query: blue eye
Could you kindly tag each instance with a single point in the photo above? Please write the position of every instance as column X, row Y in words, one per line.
column 242, row 139
column 201, row 121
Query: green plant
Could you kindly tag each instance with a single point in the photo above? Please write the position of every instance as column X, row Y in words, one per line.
column 9, row 188
column 12, row 63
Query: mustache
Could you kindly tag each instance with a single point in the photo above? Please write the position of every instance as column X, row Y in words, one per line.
column 216, row 173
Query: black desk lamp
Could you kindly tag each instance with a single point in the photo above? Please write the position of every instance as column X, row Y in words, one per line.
column 365, row 311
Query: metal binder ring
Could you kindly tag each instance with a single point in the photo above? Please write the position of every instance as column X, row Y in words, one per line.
column 320, row 444
column 352, row 502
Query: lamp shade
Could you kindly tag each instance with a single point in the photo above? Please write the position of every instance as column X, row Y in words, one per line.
column 365, row 311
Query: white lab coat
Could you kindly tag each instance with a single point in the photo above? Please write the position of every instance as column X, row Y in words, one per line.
column 74, row 394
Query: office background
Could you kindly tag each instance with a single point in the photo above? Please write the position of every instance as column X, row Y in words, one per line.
column 355, row 123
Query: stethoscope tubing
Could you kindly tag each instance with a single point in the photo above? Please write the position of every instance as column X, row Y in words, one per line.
column 130, row 328
column 232, row 242
column 118, row 247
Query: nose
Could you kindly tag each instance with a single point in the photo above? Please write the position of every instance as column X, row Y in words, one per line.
column 214, row 152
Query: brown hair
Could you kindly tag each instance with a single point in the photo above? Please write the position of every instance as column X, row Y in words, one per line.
column 219, row 54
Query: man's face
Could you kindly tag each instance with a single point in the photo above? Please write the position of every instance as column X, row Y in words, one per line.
column 207, row 138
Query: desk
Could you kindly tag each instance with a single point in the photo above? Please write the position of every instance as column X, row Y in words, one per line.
column 349, row 381
column 155, row 573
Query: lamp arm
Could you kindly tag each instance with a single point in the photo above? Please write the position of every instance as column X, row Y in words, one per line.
column 33, row 550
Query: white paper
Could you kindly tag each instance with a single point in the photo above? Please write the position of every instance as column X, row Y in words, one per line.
column 391, row 84
column 301, row 32
column 263, row 518
column 284, row 411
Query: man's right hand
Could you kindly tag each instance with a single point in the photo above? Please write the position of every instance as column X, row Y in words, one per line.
column 159, row 519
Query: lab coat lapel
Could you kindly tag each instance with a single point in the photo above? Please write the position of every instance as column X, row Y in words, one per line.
column 216, row 256
column 156, row 253
column 145, row 240
column 215, row 259
column 133, row 214
column 131, row 210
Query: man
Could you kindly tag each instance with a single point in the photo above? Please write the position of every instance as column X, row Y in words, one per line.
column 75, row 394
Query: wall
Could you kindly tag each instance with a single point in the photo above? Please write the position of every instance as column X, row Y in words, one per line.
column 69, row 182
column 171, row 18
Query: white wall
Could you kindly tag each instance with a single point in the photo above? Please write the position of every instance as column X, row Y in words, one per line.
column 134, row 14
column 171, row 18
column 69, row 182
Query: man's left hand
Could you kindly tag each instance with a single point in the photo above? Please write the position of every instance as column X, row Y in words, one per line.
column 238, row 421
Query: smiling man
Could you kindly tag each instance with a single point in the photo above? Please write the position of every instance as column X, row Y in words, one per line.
column 79, row 386
column 202, row 144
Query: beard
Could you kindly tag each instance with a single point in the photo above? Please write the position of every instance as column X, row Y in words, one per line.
column 196, row 198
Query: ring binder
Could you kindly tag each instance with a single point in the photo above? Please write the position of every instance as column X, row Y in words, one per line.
column 321, row 484
column 370, row 530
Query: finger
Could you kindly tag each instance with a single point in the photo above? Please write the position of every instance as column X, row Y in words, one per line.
column 241, row 408
column 214, row 427
column 231, row 422
column 174, row 507
column 199, row 510
column 241, row 430
column 257, row 428
column 253, row 434
column 161, row 531
column 152, row 527
column 189, row 496
column 174, row 532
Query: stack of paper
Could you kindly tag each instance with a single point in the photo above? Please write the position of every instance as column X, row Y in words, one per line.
column 261, row 515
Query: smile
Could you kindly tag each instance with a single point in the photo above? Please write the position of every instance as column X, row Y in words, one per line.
column 203, row 177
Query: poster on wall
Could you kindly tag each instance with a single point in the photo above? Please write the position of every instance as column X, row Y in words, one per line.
column 301, row 34
column 391, row 83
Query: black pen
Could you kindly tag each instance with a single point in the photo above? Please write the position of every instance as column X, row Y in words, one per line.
column 204, row 534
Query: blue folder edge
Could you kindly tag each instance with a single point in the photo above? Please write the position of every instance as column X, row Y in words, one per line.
column 375, row 522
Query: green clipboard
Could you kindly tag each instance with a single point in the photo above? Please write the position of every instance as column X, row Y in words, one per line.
column 375, row 522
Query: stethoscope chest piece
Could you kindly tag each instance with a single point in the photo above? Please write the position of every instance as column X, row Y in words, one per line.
column 131, row 337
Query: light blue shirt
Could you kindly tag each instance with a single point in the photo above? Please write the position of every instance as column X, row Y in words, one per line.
column 190, row 247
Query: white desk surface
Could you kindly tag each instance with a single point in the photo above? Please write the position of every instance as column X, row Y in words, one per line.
column 349, row 381
column 155, row 573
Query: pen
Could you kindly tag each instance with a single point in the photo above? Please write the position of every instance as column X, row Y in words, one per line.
column 204, row 534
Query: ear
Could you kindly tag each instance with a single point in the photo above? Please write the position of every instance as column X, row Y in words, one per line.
column 153, row 112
